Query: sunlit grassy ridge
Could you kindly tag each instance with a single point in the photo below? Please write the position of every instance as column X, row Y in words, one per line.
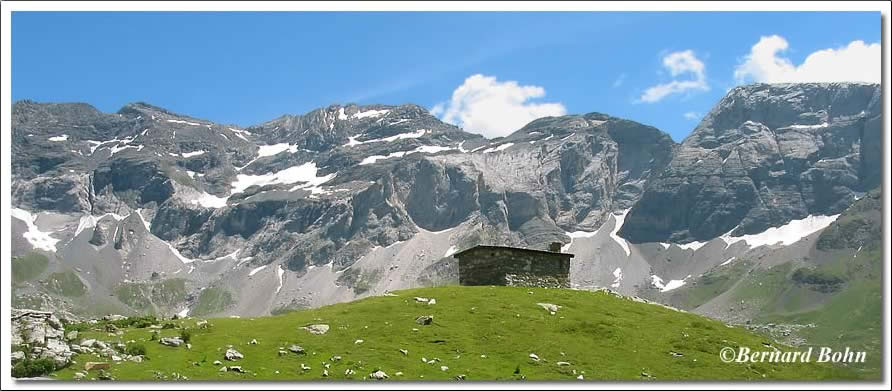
column 483, row 333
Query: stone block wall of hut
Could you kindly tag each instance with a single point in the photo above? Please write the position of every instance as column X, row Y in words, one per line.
column 513, row 267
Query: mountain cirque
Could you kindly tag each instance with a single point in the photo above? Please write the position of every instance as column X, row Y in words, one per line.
column 155, row 211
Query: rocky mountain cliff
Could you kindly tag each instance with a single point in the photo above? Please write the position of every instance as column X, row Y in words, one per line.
column 765, row 155
column 152, row 211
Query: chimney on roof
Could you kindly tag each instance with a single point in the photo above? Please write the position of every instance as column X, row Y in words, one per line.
column 555, row 247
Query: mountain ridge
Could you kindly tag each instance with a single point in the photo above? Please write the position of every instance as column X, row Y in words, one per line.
column 348, row 201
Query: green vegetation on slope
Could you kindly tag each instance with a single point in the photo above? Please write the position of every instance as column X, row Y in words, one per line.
column 28, row 267
column 852, row 317
column 358, row 280
column 843, row 296
column 212, row 300
column 66, row 284
column 147, row 297
column 482, row 333
column 711, row 284
column 860, row 224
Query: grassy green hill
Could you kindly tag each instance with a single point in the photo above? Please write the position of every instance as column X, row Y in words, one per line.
column 480, row 333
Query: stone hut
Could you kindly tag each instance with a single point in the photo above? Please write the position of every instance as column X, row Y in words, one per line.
column 512, row 266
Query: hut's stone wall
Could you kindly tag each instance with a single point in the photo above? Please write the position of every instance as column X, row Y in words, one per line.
column 514, row 267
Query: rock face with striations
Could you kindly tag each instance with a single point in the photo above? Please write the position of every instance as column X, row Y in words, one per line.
column 765, row 155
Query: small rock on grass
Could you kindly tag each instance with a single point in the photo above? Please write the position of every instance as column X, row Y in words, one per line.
column 297, row 349
column 425, row 319
column 232, row 355
column 378, row 375
column 317, row 329
column 552, row 308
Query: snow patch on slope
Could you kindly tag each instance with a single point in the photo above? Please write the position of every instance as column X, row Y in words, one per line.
column 728, row 261
column 279, row 272
column 37, row 238
column 370, row 114
column 59, row 138
column 303, row 173
column 818, row 126
column 193, row 153
column 275, row 149
column 118, row 148
column 255, row 270
column 618, row 277
column 499, row 148
column 673, row 284
column 619, row 219
column 143, row 219
column 176, row 121
column 210, row 201
column 544, row 139
column 240, row 133
column 351, row 141
column 786, row 234
column 691, row 246
column 581, row 234
column 422, row 149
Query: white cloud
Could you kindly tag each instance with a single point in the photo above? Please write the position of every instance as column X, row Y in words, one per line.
column 619, row 80
column 678, row 63
column 856, row 62
column 691, row 115
column 492, row 108
column 438, row 109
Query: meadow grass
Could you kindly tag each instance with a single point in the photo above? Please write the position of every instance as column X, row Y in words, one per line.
column 482, row 333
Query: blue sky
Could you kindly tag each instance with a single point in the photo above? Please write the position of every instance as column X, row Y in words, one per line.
column 246, row 68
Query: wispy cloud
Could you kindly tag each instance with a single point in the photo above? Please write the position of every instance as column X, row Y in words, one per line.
column 619, row 80
column 678, row 63
column 856, row 62
column 492, row 108
column 691, row 115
